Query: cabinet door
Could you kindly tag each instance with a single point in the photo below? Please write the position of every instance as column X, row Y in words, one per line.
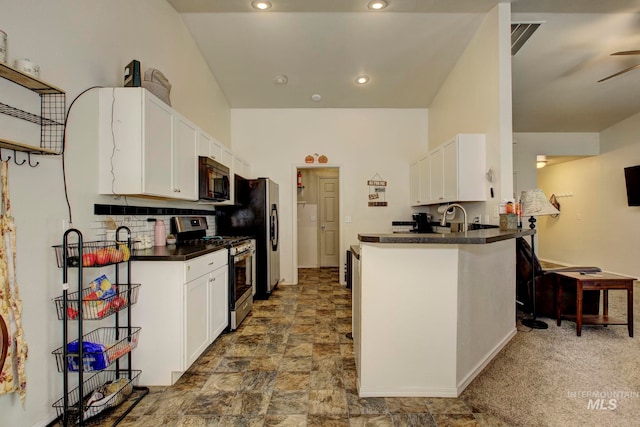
column 237, row 165
column 472, row 184
column 425, row 180
column 196, row 333
column 185, row 166
column 158, row 125
column 215, row 151
column 218, row 302
column 204, row 143
column 414, row 183
column 436, row 189
column 450, row 171
column 227, row 158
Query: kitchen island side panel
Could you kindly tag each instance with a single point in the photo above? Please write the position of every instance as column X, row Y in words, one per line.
column 486, row 305
column 159, row 312
column 408, row 320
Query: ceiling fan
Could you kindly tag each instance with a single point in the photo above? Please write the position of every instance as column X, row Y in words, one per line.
column 623, row 53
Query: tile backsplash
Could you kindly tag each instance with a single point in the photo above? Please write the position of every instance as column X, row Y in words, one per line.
column 137, row 219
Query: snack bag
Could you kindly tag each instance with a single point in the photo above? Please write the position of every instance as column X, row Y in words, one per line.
column 102, row 287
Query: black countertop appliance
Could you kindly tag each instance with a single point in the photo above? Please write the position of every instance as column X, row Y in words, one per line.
column 422, row 223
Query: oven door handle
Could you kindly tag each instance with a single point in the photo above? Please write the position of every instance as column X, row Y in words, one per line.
column 242, row 256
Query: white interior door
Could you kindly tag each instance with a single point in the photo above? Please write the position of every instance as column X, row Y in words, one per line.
column 329, row 222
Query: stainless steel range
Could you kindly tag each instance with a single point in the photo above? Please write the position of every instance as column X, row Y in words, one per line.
column 242, row 284
column 191, row 230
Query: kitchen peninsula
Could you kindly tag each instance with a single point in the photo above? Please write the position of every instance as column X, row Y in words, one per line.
column 431, row 310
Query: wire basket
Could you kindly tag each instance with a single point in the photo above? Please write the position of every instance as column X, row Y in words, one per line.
column 96, row 309
column 94, row 254
column 101, row 347
column 112, row 385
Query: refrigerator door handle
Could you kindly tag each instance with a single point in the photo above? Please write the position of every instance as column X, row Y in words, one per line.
column 274, row 227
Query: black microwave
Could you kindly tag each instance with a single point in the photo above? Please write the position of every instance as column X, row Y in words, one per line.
column 213, row 180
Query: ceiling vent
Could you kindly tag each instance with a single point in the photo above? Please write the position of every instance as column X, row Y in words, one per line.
column 520, row 33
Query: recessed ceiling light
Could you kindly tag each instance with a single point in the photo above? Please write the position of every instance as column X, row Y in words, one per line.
column 316, row 97
column 362, row 79
column 377, row 4
column 281, row 80
column 262, row 5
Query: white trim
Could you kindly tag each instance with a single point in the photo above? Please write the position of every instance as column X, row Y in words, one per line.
column 294, row 215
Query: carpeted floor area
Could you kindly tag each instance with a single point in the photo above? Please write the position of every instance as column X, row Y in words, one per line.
column 554, row 378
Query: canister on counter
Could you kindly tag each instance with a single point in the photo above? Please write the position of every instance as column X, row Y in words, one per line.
column 508, row 221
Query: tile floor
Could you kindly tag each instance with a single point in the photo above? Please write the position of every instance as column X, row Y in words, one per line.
column 290, row 363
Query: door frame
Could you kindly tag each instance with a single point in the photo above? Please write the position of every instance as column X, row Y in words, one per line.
column 294, row 198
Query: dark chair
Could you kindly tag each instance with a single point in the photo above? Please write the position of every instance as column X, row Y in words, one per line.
column 545, row 294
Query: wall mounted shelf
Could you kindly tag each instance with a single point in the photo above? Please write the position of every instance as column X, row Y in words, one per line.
column 52, row 113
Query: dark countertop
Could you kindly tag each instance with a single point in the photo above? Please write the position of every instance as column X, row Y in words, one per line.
column 174, row 253
column 355, row 249
column 473, row 237
column 178, row 252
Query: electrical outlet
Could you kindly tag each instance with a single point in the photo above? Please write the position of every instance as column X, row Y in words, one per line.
column 347, row 219
column 126, row 221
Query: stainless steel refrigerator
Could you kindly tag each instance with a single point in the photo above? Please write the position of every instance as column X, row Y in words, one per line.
column 255, row 214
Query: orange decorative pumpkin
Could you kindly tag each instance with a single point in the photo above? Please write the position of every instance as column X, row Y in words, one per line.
column 309, row 159
column 323, row 159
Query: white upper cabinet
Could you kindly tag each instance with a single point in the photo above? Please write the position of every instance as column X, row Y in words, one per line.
column 210, row 147
column 452, row 172
column 226, row 157
column 420, row 182
column 240, row 167
column 145, row 147
column 414, row 183
column 185, row 159
column 204, row 144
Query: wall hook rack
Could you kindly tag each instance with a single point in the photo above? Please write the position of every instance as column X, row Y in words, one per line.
column 15, row 158
column 30, row 164
column 2, row 159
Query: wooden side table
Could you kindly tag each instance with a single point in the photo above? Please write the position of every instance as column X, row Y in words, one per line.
column 594, row 282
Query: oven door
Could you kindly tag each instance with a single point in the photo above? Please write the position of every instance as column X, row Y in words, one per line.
column 242, row 275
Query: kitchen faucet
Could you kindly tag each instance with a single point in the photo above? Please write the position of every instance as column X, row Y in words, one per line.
column 450, row 207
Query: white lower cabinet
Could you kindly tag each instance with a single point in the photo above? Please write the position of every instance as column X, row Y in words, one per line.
column 184, row 311
column 196, row 325
column 218, row 302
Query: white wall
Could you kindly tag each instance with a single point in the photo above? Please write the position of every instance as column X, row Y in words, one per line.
column 527, row 145
column 362, row 142
column 79, row 44
column 476, row 98
column 595, row 226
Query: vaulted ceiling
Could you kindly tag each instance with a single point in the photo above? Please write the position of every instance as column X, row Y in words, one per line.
column 408, row 49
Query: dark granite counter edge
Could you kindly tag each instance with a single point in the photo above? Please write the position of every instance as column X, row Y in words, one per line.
column 474, row 237
column 167, row 254
column 355, row 250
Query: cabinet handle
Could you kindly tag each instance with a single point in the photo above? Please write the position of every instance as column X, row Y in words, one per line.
column 176, row 190
column 213, row 279
column 211, row 263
